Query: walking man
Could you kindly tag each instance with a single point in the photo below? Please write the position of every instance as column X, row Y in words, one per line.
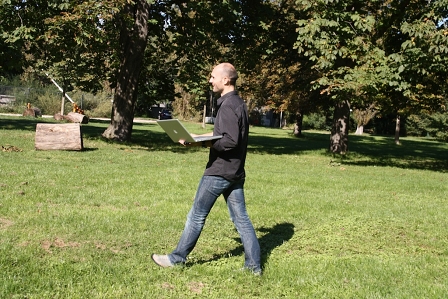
column 224, row 174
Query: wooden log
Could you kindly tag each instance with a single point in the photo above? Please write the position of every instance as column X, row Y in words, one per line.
column 58, row 137
column 76, row 118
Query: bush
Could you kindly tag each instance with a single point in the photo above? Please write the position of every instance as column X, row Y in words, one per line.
column 103, row 109
column 50, row 103
column 315, row 121
column 438, row 127
column 94, row 105
column 417, row 125
column 434, row 125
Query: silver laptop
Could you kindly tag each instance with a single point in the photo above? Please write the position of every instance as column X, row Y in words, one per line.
column 176, row 131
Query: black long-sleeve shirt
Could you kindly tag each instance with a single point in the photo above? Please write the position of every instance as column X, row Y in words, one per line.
column 228, row 154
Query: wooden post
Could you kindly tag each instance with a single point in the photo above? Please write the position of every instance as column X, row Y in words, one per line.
column 63, row 101
column 58, row 137
column 203, row 117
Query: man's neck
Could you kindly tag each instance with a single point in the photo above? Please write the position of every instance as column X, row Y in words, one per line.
column 227, row 89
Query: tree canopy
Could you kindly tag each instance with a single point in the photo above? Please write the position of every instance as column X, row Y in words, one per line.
column 294, row 56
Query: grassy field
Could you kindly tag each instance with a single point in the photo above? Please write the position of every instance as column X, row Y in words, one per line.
column 84, row 224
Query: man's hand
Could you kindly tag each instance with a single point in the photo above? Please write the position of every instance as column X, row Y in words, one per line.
column 200, row 143
column 184, row 143
column 206, row 144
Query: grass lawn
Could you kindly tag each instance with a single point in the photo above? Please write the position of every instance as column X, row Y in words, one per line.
column 84, row 224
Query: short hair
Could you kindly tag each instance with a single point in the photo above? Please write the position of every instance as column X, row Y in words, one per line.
column 229, row 71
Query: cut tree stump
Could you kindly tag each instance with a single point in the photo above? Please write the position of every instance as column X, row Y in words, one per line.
column 73, row 117
column 58, row 137
column 76, row 118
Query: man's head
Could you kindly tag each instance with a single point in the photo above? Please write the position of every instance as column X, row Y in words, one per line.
column 223, row 78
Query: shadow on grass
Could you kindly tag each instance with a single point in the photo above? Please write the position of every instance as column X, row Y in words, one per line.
column 22, row 123
column 143, row 134
column 421, row 153
column 274, row 237
column 364, row 150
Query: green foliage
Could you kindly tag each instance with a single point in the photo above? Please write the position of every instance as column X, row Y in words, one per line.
column 72, row 41
column 438, row 126
column 295, row 56
column 50, row 103
column 417, row 125
column 84, row 224
column 315, row 121
column 431, row 125
column 358, row 52
column 101, row 109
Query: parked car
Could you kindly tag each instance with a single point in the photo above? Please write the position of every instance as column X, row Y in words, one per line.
column 165, row 114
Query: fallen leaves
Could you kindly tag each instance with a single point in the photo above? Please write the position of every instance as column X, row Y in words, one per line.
column 10, row 148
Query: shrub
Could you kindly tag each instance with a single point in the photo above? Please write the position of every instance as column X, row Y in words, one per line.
column 315, row 121
column 103, row 109
column 434, row 125
column 50, row 103
column 417, row 125
column 438, row 126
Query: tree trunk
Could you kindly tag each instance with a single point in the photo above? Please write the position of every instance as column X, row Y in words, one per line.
column 298, row 125
column 397, row 130
column 339, row 130
column 359, row 130
column 133, row 41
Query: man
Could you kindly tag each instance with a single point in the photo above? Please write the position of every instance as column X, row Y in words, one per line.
column 224, row 174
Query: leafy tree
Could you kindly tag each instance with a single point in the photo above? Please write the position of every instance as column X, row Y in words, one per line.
column 275, row 74
column 336, row 36
column 369, row 50
column 76, row 43
column 133, row 38
column 201, row 35
column 363, row 117
column 10, row 53
column 292, row 55
column 68, row 39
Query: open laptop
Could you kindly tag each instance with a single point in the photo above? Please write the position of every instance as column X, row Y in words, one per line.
column 176, row 131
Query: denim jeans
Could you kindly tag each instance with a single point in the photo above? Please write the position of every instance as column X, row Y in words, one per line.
column 210, row 188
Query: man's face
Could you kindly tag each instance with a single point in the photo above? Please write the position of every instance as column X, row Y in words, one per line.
column 217, row 80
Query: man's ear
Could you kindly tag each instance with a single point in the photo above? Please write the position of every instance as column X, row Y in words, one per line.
column 226, row 81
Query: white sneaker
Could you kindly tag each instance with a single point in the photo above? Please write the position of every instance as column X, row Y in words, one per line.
column 162, row 260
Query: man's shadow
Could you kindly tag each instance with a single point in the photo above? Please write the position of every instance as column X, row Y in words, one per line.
column 274, row 237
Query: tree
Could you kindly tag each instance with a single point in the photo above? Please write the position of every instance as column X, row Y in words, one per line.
column 133, row 37
column 76, row 43
column 292, row 55
column 337, row 37
column 363, row 117
column 68, row 40
column 10, row 52
column 363, row 49
column 201, row 34
column 275, row 74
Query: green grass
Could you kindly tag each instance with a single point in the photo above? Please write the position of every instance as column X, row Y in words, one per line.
column 84, row 224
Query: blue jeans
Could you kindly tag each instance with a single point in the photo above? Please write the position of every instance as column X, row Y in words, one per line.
column 210, row 188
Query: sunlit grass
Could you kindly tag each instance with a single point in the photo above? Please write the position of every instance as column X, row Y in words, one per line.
column 84, row 224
